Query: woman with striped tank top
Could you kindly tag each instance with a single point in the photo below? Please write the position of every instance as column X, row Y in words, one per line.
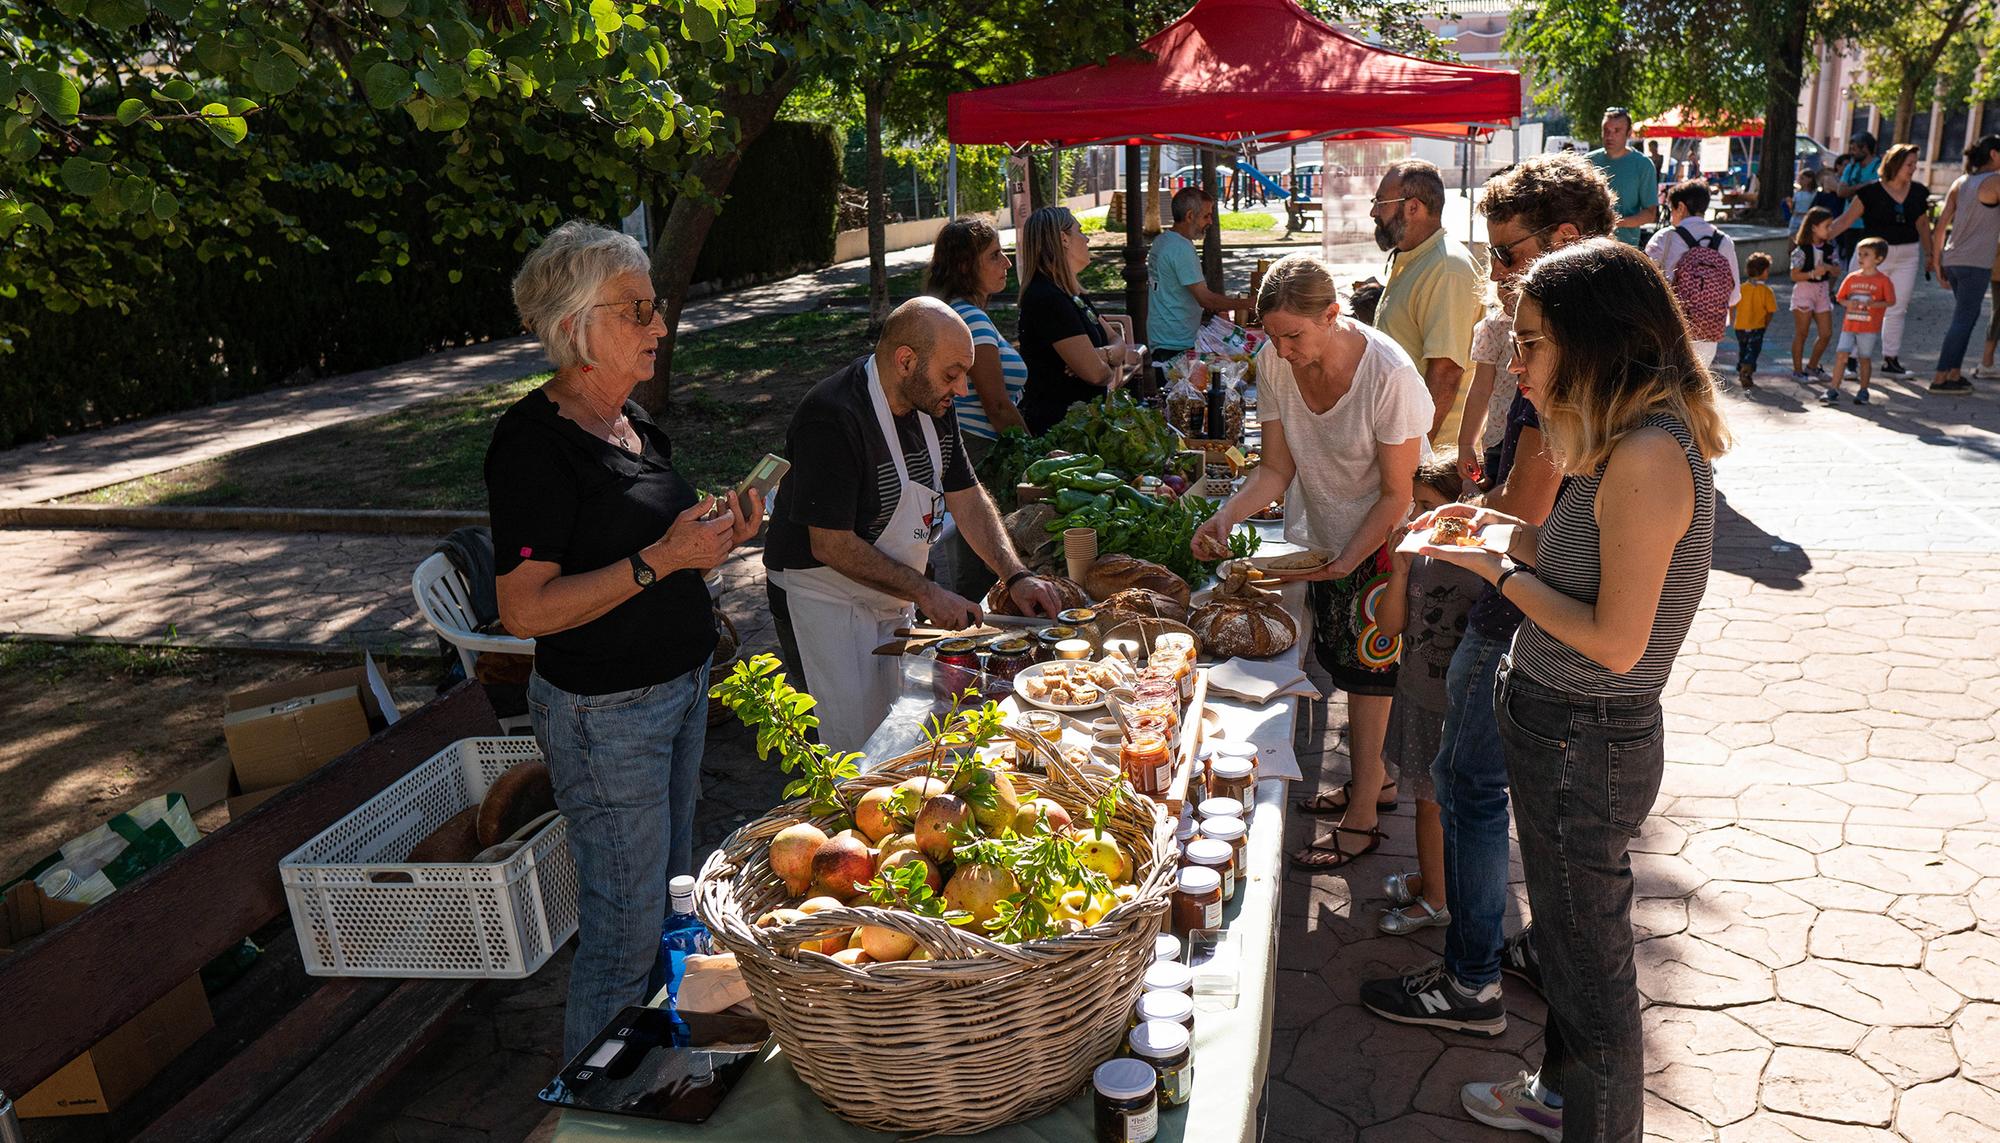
column 1610, row 584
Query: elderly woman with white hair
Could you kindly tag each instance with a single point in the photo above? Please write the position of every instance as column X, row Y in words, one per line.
column 601, row 548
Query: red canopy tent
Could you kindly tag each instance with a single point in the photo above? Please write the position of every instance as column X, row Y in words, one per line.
column 1679, row 124
column 1237, row 73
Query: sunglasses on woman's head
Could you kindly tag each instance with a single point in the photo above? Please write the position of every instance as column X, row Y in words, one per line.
column 643, row 309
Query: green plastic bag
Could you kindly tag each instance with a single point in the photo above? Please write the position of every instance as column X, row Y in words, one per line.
column 89, row 866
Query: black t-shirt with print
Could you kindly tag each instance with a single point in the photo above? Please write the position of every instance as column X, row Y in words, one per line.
column 1891, row 221
column 1050, row 314
column 842, row 476
column 557, row 493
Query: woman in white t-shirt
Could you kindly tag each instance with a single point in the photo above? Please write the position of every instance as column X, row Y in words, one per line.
column 1344, row 414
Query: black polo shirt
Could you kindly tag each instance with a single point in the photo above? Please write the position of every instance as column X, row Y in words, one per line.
column 559, row 494
column 842, row 476
column 1050, row 314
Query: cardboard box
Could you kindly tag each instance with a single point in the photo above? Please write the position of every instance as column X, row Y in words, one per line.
column 124, row 1061
column 279, row 733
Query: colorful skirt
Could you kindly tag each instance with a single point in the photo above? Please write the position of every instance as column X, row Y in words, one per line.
column 1359, row 658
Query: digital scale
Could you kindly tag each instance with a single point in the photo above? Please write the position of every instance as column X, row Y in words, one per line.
column 654, row 1064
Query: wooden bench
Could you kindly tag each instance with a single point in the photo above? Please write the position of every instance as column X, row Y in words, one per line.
column 333, row 1042
column 1298, row 215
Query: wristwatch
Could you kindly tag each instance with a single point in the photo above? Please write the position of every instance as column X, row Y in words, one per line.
column 642, row 572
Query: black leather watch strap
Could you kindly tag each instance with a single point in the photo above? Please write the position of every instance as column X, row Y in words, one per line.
column 642, row 572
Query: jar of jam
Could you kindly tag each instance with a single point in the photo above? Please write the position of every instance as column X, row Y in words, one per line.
column 1170, row 976
column 1217, row 855
column 1174, row 640
column 1084, row 620
column 1144, row 760
column 1233, row 776
column 1126, row 1094
column 1047, row 638
column 1044, row 724
column 1197, row 905
column 1006, row 658
column 1169, row 1048
column 956, row 669
column 1173, row 1007
column 1234, row 833
column 1166, row 946
column 1219, row 808
column 1186, row 831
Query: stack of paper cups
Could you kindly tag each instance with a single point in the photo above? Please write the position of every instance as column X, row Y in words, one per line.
column 1080, row 548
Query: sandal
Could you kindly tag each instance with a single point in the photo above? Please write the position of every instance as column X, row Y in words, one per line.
column 1396, row 887
column 1414, row 916
column 1323, row 802
column 1320, row 858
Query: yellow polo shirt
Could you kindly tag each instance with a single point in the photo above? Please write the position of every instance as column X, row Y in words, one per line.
column 1429, row 306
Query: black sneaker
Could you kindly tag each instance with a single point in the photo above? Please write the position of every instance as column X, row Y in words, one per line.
column 1955, row 385
column 1429, row 996
column 1517, row 958
column 1894, row 368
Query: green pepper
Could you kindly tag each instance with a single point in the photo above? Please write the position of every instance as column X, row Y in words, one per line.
column 1072, row 500
column 1041, row 470
column 1085, row 481
column 1126, row 494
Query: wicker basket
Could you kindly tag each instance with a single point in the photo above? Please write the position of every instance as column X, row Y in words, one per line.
column 984, row 1035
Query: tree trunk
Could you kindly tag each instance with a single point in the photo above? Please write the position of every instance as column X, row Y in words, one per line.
column 678, row 245
column 1784, row 68
column 1906, row 107
column 878, row 211
column 1135, row 246
column 1211, row 242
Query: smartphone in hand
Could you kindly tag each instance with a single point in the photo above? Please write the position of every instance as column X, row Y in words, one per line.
column 764, row 477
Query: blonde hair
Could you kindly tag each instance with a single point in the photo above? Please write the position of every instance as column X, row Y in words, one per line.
column 1041, row 250
column 1297, row 284
column 556, row 289
column 1624, row 354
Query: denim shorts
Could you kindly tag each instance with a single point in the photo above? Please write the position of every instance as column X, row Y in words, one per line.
column 1859, row 345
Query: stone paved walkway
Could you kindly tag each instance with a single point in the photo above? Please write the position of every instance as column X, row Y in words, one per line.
column 1820, row 883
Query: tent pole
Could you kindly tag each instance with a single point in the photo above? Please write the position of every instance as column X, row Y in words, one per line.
column 1055, row 175
column 1465, row 183
column 1139, row 186
column 951, row 180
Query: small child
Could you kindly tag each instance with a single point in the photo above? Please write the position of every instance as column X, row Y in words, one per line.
column 1426, row 601
column 1867, row 293
column 1802, row 199
column 1754, row 311
column 1813, row 267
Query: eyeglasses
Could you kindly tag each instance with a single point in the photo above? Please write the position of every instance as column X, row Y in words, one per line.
column 1521, row 344
column 1504, row 253
column 1375, row 203
column 643, row 309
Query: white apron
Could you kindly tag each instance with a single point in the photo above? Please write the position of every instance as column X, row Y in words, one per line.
column 838, row 622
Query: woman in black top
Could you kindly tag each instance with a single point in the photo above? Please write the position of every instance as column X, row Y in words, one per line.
column 601, row 548
column 1896, row 210
column 1071, row 353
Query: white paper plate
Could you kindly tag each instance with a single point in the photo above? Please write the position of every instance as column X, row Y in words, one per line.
column 1495, row 538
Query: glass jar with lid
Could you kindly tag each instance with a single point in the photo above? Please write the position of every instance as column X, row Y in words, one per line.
column 1126, row 1099
column 1170, row 976
column 1146, row 764
column 955, row 669
column 1217, row 855
column 1233, row 776
column 1169, row 1048
column 1197, row 905
column 1176, row 1007
column 1219, row 807
column 1234, row 833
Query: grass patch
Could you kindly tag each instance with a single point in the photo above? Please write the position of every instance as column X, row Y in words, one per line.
column 53, row 662
column 734, row 391
column 1231, row 220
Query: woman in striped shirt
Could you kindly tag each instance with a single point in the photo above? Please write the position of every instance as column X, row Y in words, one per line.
column 1610, row 584
column 968, row 267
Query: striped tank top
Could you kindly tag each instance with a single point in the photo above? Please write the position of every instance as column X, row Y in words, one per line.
column 972, row 420
column 1566, row 558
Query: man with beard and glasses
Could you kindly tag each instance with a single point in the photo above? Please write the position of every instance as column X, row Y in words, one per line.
column 876, row 462
column 1432, row 298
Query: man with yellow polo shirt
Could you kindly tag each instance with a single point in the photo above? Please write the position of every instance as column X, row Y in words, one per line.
column 1434, row 294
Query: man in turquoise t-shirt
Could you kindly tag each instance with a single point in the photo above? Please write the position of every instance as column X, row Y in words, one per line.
column 1635, row 184
column 1177, row 292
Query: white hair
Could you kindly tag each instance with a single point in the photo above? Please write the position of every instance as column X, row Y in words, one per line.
column 558, row 284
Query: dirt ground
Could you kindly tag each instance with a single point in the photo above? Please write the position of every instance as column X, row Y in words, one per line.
column 95, row 730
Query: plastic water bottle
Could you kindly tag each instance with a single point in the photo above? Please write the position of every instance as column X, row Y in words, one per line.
column 683, row 934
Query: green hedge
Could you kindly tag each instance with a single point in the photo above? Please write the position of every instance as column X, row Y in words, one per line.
column 779, row 215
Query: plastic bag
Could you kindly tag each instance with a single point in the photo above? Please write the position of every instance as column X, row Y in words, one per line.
column 1220, row 335
column 89, row 866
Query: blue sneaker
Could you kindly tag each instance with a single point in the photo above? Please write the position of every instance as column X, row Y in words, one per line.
column 1861, row 396
column 1830, row 398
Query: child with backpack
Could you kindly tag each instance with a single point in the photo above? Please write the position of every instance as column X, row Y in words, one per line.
column 1699, row 263
column 1755, row 307
column 1867, row 293
column 1813, row 266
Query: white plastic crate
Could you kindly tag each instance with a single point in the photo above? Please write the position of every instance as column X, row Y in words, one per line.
column 359, row 909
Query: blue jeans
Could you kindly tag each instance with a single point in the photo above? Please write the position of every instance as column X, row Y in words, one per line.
column 627, row 771
column 1749, row 346
column 1968, row 293
column 1470, row 774
column 1585, row 773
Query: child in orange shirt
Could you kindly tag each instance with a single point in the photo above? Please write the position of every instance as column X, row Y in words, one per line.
column 1754, row 310
column 1867, row 293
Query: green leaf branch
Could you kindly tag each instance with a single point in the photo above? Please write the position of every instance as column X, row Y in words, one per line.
column 757, row 693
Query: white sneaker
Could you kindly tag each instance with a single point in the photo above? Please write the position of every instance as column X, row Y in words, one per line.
column 1512, row 1106
column 1986, row 373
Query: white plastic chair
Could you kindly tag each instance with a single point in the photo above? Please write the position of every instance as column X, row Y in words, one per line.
column 446, row 605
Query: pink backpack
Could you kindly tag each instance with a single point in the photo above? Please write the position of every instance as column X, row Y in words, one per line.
column 1702, row 282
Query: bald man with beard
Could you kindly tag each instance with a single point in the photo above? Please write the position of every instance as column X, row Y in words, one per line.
column 876, row 463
